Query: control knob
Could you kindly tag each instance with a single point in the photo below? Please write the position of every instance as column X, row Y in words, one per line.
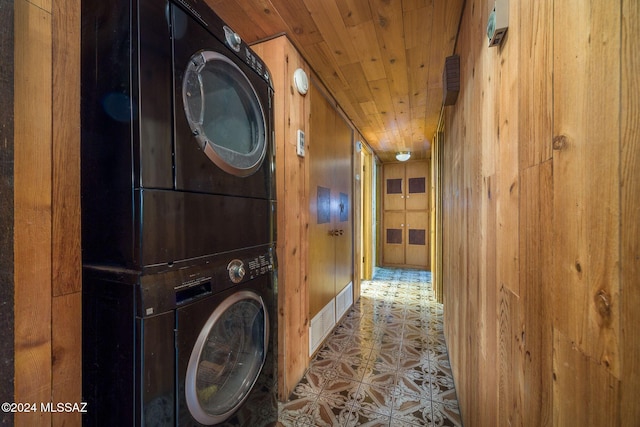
column 233, row 39
column 236, row 270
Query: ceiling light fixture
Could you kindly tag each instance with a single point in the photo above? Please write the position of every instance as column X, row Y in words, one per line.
column 403, row 156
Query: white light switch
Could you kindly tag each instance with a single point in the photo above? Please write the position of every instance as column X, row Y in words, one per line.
column 300, row 143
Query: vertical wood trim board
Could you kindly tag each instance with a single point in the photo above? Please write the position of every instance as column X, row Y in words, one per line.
column 630, row 212
column 33, row 188
column 6, row 207
column 66, row 253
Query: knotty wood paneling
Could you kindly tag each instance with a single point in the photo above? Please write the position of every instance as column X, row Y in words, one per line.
column 292, row 190
column 586, row 195
column 47, row 209
column 544, row 183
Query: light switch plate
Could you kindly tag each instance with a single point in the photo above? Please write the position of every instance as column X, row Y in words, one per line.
column 300, row 143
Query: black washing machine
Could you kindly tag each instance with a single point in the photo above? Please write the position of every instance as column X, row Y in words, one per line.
column 178, row 219
column 190, row 347
column 177, row 135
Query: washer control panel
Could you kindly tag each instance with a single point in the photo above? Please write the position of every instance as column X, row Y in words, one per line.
column 249, row 268
column 260, row 265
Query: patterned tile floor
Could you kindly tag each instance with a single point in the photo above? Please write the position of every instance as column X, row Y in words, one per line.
column 386, row 363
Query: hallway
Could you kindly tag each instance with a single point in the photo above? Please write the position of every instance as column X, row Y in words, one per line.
column 386, row 363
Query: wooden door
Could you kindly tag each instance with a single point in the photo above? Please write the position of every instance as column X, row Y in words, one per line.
column 342, row 200
column 321, row 217
column 405, row 239
column 330, row 228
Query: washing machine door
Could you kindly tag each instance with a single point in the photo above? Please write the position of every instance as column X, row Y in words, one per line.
column 224, row 113
column 227, row 358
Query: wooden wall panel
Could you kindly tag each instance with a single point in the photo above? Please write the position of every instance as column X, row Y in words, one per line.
column 368, row 227
column 536, row 225
column 584, row 393
column 535, row 72
column 66, row 356
column 546, row 182
column 291, row 114
column 508, row 184
column 630, row 212
column 67, row 264
column 510, row 397
column 47, row 209
column 32, row 233
column 488, row 320
column 66, row 253
column 586, row 190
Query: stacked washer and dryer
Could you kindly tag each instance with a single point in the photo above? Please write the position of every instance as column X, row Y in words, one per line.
column 178, row 219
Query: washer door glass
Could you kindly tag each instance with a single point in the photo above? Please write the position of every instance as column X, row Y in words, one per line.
column 227, row 358
column 224, row 113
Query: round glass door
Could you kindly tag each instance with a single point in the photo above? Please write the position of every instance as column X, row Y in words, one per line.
column 227, row 358
column 224, row 113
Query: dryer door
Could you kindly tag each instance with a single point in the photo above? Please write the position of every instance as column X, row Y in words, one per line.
column 227, row 358
column 224, row 113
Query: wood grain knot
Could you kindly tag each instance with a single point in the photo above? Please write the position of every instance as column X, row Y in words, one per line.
column 560, row 142
column 602, row 300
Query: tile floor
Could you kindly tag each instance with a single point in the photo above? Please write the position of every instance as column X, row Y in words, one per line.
column 386, row 363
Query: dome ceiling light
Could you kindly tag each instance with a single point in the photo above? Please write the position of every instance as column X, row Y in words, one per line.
column 403, row 156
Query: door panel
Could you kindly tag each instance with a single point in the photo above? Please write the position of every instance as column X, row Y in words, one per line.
column 343, row 218
column 394, row 187
column 416, row 193
column 417, row 238
column 321, row 241
column 394, row 238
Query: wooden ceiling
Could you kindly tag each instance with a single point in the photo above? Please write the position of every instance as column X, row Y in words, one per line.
column 382, row 60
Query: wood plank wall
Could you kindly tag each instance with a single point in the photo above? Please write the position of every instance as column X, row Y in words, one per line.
column 47, row 299
column 292, row 112
column 541, row 203
column 292, row 191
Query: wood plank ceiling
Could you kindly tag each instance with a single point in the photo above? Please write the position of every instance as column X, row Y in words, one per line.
column 382, row 60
